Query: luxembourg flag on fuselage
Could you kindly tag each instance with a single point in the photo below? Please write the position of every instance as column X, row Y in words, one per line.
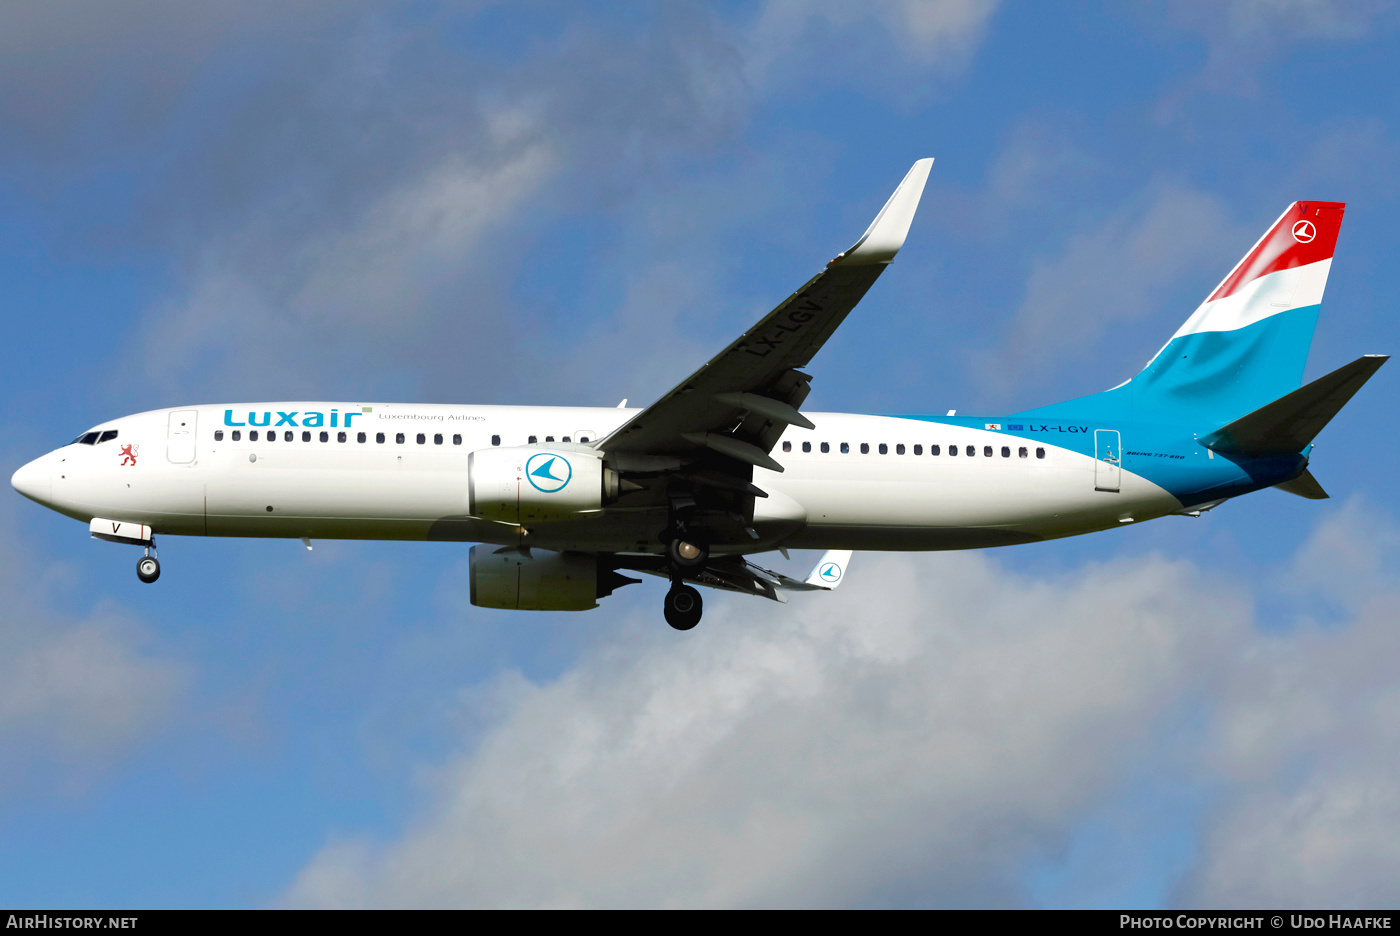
column 1287, row 269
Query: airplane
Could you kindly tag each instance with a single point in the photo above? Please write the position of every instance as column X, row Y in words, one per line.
column 561, row 501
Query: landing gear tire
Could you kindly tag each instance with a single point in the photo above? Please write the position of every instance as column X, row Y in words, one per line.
column 687, row 555
column 683, row 607
column 148, row 569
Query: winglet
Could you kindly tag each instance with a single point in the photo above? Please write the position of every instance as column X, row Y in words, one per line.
column 882, row 240
column 831, row 568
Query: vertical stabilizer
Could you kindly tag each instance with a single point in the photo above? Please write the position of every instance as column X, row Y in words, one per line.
column 1247, row 343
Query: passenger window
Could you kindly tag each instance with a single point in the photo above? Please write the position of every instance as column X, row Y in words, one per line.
column 495, row 440
column 306, row 437
column 826, row 447
column 1022, row 451
column 398, row 438
column 899, row 449
column 884, row 449
column 325, row 436
column 236, row 435
column 422, row 438
column 272, row 435
column 287, row 436
column 437, row 438
column 1006, row 451
column 253, row 436
column 456, row 440
column 953, row 449
column 865, row 448
column 340, row 437
column 566, row 439
column 934, row 450
column 534, row 440
column 845, row 448
column 379, row 438
column 987, row 451
column 546, row 438
column 918, row 450
column 806, row 446
column 581, row 439
column 361, row 437
column 108, row 436
column 972, row 450
column 1040, row 453
column 218, row 435
column 787, row 446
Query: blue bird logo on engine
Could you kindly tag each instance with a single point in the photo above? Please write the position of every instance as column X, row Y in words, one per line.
column 548, row 473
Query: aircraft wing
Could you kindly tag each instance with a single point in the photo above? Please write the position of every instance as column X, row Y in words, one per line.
column 741, row 401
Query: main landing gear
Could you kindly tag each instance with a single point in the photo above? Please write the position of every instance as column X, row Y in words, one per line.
column 683, row 606
column 148, row 566
column 687, row 556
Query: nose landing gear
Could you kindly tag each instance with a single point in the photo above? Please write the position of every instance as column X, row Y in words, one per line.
column 148, row 566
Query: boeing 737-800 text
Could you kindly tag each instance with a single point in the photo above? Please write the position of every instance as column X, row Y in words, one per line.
column 727, row 465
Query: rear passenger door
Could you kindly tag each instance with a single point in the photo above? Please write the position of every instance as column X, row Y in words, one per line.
column 1108, row 460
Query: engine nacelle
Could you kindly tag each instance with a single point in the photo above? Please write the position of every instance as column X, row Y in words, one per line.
column 525, row 484
column 539, row 579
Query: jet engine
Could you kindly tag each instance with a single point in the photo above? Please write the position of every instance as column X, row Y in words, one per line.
column 525, row 484
column 539, row 579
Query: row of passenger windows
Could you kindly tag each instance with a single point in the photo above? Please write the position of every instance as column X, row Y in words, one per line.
column 93, row 438
column 899, row 449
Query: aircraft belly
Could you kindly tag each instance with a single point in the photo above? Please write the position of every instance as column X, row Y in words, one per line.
column 968, row 505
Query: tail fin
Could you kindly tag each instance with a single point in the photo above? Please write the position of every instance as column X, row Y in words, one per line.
column 1288, row 424
column 1247, row 343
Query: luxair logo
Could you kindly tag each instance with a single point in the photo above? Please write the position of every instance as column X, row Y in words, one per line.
column 548, row 473
column 830, row 573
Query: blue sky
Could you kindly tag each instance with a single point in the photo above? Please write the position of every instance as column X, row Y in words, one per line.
column 499, row 203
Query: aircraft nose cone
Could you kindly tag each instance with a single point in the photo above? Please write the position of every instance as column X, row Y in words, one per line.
column 34, row 481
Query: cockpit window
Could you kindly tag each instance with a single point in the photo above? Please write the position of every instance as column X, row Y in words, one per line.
column 88, row 438
column 108, row 435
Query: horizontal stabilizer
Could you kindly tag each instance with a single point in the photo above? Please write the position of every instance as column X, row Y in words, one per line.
column 1305, row 485
column 1288, row 424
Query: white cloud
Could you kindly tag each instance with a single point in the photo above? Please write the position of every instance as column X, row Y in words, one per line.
column 76, row 690
column 798, row 43
column 913, row 732
column 917, row 738
column 1308, row 734
column 1242, row 35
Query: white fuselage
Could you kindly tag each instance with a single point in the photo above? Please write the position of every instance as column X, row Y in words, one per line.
column 197, row 479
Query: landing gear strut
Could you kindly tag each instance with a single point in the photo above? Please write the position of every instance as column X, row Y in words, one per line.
column 148, row 566
column 683, row 606
column 686, row 554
